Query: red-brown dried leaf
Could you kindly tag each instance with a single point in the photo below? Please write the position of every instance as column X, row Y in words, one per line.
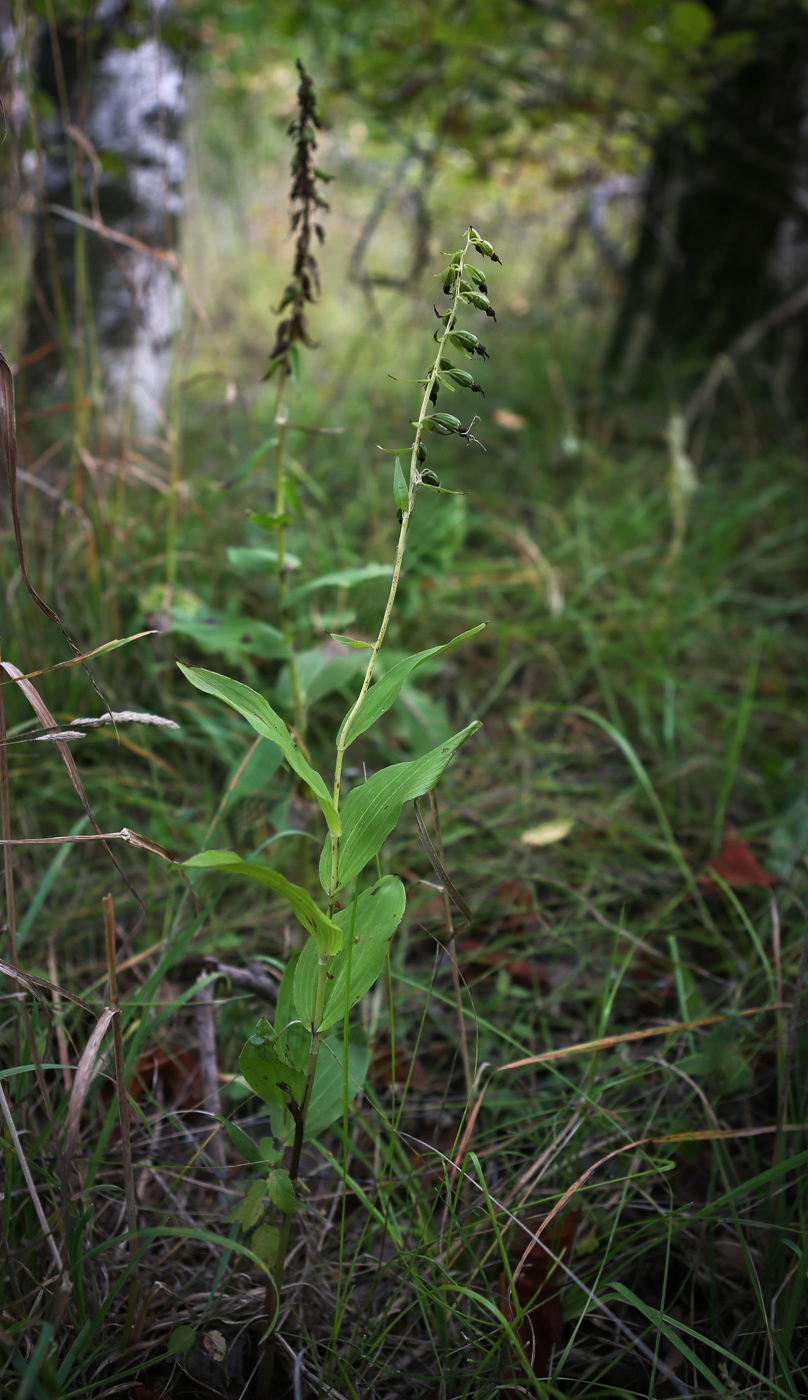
column 736, row 864
column 537, row 1289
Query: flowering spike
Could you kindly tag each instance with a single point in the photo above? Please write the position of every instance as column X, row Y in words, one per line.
column 305, row 195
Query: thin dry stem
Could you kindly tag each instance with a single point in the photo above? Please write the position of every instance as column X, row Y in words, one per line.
column 120, row 1080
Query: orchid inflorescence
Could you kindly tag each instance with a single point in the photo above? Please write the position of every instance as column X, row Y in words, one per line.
column 292, row 329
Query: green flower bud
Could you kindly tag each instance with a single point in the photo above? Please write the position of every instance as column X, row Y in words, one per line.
column 461, row 377
column 464, row 340
column 400, row 516
column 429, row 478
column 421, row 453
column 443, row 423
column 483, row 246
column 475, row 275
column 476, row 299
column 401, row 495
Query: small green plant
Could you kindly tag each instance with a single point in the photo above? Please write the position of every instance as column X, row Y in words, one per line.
column 302, row 1067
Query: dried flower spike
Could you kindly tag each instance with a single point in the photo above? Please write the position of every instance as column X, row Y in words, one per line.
column 306, row 201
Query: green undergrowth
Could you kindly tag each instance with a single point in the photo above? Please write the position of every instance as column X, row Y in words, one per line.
column 634, row 706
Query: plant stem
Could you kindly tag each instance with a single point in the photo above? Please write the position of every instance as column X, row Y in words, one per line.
column 281, row 422
column 402, row 540
column 268, row 1358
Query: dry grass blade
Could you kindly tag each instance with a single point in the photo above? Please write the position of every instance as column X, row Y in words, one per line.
column 8, row 431
column 33, row 984
column 697, row 1135
column 29, row 1181
column 84, row 1074
column 208, row 1062
column 120, row 1080
column 85, row 656
column 46, row 719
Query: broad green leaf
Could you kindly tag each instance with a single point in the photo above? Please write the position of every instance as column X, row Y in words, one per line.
column 320, row 671
column 281, row 1191
column 372, row 810
column 327, row 934
column 234, row 637
column 341, row 578
column 380, row 696
column 265, row 1243
column 266, row 1071
column 264, row 721
column 181, row 1339
column 327, row 1097
column 293, row 1040
column 259, row 558
column 379, row 912
column 252, row 1207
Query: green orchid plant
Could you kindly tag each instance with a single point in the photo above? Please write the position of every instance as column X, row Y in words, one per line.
column 303, row 1067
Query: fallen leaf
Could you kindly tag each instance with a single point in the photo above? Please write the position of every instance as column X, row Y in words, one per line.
column 736, row 864
column 215, row 1345
column 548, row 832
column 514, row 422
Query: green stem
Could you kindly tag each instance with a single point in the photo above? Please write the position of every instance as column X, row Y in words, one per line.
column 281, row 423
column 402, row 540
column 268, row 1358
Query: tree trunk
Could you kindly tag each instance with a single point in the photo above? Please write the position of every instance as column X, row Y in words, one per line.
column 724, row 234
column 112, row 150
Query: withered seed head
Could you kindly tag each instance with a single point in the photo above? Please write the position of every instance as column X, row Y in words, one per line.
column 306, row 200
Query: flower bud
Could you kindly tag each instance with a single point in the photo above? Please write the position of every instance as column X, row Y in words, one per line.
column 443, row 423
column 429, row 478
column 421, row 453
column 461, row 377
column 476, row 276
column 476, row 299
column 464, row 340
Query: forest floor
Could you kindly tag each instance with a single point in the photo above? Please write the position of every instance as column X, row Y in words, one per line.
column 643, row 698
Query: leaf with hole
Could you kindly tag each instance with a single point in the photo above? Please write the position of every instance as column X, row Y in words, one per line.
column 270, row 1075
column 264, row 720
column 379, row 912
column 327, row 935
column 380, row 696
column 372, row 810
